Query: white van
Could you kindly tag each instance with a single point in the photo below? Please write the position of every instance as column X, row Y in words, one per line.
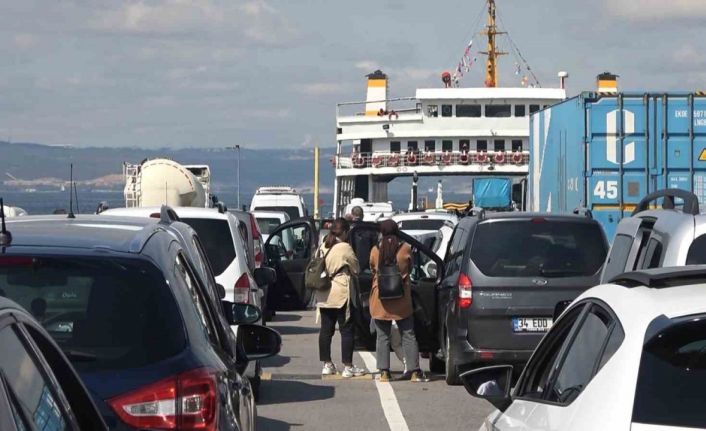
column 284, row 199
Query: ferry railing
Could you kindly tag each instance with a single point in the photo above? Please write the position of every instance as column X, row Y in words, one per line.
column 430, row 158
column 394, row 106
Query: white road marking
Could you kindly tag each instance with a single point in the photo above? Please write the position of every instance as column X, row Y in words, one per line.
column 390, row 406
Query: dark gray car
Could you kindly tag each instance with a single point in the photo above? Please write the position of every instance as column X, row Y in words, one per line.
column 505, row 274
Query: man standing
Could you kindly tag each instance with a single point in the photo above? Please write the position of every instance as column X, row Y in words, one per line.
column 363, row 241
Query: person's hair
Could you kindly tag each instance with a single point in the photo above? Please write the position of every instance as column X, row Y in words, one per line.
column 390, row 242
column 339, row 230
column 357, row 213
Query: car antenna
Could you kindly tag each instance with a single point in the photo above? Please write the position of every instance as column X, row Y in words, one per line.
column 71, row 195
column 5, row 235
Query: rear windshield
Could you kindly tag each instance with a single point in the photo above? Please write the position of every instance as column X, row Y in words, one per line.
column 672, row 377
column 216, row 239
column 105, row 313
column 267, row 225
column 538, row 247
column 421, row 224
column 292, row 212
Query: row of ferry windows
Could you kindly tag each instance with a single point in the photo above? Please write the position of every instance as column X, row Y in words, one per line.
column 476, row 111
column 463, row 144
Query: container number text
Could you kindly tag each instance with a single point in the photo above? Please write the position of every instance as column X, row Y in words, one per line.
column 606, row 189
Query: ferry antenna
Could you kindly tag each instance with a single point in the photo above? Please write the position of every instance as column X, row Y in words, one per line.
column 491, row 30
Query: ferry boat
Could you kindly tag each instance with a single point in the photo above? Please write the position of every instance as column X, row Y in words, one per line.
column 448, row 131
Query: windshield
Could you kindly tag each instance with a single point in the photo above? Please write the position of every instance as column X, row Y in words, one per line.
column 216, row 239
column 421, row 224
column 267, row 225
column 672, row 376
column 105, row 313
column 538, row 247
column 292, row 212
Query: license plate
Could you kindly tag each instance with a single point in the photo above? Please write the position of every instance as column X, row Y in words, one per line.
column 531, row 324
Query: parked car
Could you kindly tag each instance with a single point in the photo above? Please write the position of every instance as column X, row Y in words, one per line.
column 39, row 388
column 279, row 199
column 252, row 237
column 628, row 355
column 504, row 275
column 673, row 235
column 420, row 223
column 267, row 221
column 97, row 282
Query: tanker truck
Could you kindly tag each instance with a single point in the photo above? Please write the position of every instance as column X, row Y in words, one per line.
column 162, row 181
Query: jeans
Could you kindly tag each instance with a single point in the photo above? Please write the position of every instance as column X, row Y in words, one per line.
column 409, row 343
column 329, row 317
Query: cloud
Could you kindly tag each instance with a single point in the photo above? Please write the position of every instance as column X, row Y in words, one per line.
column 367, row 66
column 24, row 40
column 657, row 10
column 320, row 88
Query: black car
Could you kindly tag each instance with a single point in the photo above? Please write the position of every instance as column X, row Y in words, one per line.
column 38, row 387
column 505, row 274
column 122, row 299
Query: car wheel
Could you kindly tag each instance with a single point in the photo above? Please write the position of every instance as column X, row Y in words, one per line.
column 451, row 368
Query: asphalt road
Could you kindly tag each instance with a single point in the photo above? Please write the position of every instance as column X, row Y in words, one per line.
column 295, row 397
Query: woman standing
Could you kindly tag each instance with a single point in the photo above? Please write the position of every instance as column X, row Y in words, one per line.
column 389, row 253
column 333, row 305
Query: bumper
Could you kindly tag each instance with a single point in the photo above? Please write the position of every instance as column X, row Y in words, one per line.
column 466, row 356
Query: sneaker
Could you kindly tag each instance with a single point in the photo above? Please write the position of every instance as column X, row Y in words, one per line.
column 329, row 369
column 418, row 377
column 385, row 376
column 353, row 371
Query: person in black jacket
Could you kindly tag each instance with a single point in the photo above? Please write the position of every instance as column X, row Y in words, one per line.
column 363, row 241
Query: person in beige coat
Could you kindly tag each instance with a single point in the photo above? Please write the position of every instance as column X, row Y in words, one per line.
column 333, row 305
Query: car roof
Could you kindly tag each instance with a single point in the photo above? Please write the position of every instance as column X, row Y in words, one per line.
column 84, row 231
column 521, row 215
column 185, row 212
column 425, row 215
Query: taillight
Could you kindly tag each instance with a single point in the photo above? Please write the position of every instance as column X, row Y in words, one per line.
column 465, row 291
column 186, row 401
column 258, row 254
column 242, row 290
column 253, row 226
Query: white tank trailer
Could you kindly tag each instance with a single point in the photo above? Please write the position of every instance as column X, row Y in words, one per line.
column 162, row 181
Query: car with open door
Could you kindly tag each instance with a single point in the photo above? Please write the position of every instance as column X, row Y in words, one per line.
column 289, row 248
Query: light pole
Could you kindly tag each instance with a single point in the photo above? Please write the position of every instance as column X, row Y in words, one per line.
column 237, row 148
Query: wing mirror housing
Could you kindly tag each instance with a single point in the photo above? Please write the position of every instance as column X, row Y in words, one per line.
column 258, row 342
column 264, row 276
column 492, row 384
column 240, row 314
column 221, row 291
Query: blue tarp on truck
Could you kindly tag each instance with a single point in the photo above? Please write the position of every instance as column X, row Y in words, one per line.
column 495, row 193
column 606, row 151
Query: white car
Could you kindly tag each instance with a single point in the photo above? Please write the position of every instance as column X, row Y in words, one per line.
column 420, row 223
column 630, row 355
column 267, row 221
column 279, row 199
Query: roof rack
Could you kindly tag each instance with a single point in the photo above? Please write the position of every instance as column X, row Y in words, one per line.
column 662, row 277
column 222, row 208
column 167, row 215
column 691, row 201
column 583, row 211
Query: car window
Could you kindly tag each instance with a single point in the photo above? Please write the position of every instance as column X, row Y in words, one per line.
column 578, row 367
column 203, row 261
column 97, row 309
column 697, row 251
column 549, row 248
column 290, row 243
column 653, row 254
column 456, row 248
column 421, row 224
column 618, row 258
column 184, row 274
column 672, row 372
column 31, row 394
column 267, row 225
column 217, row 239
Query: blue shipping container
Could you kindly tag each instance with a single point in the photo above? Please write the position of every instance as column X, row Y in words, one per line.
column 605, row 152
column 492, row 192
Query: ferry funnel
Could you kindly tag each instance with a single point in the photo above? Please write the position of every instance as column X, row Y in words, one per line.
column 607, row 83
column 377, row 93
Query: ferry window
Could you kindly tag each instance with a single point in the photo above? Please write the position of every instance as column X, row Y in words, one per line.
column 534, row 108
column 447, row 110
column 468, row 111
column 433, row 110
column 464, row 144
column 447, row 145
column 517, row 145
column 499, row 145
column 412, row 146
column 395, row 146
column 429, row 145
column 519, row 110
column 482, row 145
column 493, row 111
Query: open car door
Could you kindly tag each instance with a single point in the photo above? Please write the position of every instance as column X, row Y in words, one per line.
column 289, row 248
column 427, row 269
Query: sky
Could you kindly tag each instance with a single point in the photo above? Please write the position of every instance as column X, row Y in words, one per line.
column 268, row 73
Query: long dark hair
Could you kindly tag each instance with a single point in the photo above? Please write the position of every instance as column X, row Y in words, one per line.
column 390, row 242
column 339, row 231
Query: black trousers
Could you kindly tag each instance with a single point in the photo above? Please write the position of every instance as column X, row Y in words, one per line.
column 329, row 317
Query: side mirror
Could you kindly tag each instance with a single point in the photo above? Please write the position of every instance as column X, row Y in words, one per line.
column 221, row 291
column 490, row 383
column 559, row 308
column 431, row 269
column 257, row 342
column 239, row 314
column 264, row 276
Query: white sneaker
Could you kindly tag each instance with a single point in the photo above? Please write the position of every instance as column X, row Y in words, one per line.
column 329, row 369
column 353, row 371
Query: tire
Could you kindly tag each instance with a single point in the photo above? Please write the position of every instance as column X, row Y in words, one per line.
column 451, row 367
column 436, row 365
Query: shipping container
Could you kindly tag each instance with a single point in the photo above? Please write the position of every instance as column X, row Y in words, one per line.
column 606, row 151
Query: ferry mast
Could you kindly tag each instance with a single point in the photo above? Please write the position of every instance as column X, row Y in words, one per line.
column 491, row 30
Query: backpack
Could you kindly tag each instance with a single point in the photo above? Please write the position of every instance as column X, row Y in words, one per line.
column 316, row 276
column 390, row 283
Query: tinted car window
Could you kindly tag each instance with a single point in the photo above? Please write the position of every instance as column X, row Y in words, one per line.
column 98, row 309
column 183, row 273
column 697, row 251
column 267, row 225
column 421, row 224
column 618, row 256
column 217, row 240
column 549, row 248
column 30, row 394
column 670, row 383
column 653, row 254
column 292, row 212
